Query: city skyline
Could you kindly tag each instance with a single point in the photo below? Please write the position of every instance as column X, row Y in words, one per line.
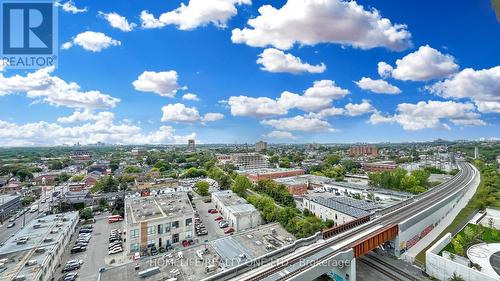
column 153, row 73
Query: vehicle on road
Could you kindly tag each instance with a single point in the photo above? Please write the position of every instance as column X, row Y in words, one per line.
column 11, row 225
column 114, row 218
column 115, row 251
column 228, row 230
column 218, row 218
column 213, row 211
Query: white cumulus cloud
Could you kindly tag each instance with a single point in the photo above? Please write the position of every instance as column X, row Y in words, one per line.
column 70, row 7
column 118, row 21
column 196, row 13
column 91, row 41
column 309, row 22
column 315, row 98
column 299, row 123
column 274, row 60
column 424, row 64
column 480, row 86
column 431, row 115
column 43, row 86
column 280, row 135
column 103, row 130
column 356, row 109
column 191, row 97
column 378, row 86
column 86, row 115
column 178, row 112
column 162, row 83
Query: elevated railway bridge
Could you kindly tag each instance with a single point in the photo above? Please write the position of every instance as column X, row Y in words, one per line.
column 335, row 250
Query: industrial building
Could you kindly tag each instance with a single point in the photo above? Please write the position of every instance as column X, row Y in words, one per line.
column 159, row 220
column 9, row 204
column 270, row 173
column 338, row 209
column 35, row 252
column 379, row 166
column 239, row 214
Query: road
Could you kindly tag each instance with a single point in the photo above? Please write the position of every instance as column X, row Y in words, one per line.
column 6, row 233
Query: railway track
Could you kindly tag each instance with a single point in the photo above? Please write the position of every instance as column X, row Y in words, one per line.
column 369, row 260
column 419, row 204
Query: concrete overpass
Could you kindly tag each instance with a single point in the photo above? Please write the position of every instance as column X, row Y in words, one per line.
column 335, row 250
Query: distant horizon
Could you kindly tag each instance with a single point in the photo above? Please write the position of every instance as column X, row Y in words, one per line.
column 251, row 144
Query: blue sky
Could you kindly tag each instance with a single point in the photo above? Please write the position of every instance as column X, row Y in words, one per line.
column 447, row 84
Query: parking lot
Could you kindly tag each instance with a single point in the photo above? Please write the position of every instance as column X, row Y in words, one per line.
column 213, row 229
column 97, row 250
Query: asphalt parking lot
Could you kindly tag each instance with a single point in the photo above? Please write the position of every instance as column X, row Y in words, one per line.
column 97, row 250
column 214, row 231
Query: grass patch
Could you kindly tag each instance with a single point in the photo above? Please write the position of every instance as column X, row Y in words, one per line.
column 481, row 234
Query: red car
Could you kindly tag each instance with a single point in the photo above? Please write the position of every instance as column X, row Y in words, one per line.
column 219, row 218
column 213, row 211
column 185, row 243
column 228, row 230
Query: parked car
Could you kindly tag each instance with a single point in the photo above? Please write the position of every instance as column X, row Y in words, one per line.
column 11, row 225
column 70, row 267
column 185, row 243
column 219, row 218
column 78, row 249
column 213, row 211
column 223, row 224
column 70, row 276
column 229, row 230
column 115, row 251
column 13, row 219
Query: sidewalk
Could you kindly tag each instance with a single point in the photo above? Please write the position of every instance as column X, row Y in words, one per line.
column 410, row 255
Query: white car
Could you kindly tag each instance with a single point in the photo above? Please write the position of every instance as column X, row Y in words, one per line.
column 114, row 244
column 115, row 251
column 116, row 247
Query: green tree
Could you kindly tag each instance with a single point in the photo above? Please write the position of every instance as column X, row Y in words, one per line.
column 132, row 170
column 106, row 184
column 24, row 174
column 86, row 214
column 194, row 173
column 332, row 159
column 456, row 277
column 241, row 184
column 202, row 188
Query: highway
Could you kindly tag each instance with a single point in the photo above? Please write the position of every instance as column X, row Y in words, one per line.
column 288, row 266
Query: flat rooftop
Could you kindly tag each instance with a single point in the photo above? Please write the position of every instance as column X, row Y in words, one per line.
column 222, row 253
column 302, row 179
column 339, row 206
column 263, row 171
column 228, row 198
column 161, row 206
column 5, row 198
column 35, row 242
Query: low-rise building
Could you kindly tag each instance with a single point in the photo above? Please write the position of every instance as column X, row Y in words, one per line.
column 160, row 220
column 239, row 214
column 298, row 185
column 35, row 252
column 9, row 204
column 379, row 166
column 338, row 209
column 271, row 173
column 245, row 161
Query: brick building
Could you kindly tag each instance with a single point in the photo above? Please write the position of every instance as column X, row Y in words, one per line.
column 360, row 150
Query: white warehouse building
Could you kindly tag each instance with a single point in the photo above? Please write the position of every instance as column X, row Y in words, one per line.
column 239, row 214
